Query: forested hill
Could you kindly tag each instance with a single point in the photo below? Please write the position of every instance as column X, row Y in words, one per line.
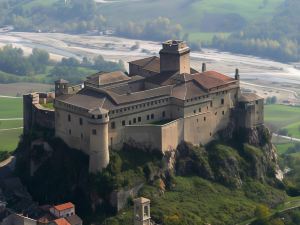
column 277, row 39
column 267, row 28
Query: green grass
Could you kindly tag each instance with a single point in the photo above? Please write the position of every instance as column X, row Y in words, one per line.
column 11, row 124
column 9, row 139
column 36, row 3
column 281, row 116
column 11, row 108
column 205, row 37
column 48, row 105
column 283, row 147
column 194, row 200
column 188, row 13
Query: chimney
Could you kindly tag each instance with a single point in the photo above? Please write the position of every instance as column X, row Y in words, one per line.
column 237, row 74
column 203, row 67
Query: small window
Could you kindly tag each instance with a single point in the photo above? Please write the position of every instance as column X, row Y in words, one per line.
column 69, row 118
column 256, row 102
column 70, row 132
column 199, row 109
column 129, row 122
column 152, row 116
column 81, row 136
column 94, row 132
column 99, row 116
column 148, row 117
column 134, row 120
column 216, row 113
column 204, row 118
column 123, row 123
column 163, row 114
column 210, row 134
column 223, row 112
column 113, row 125
column 222, row 101
column 139, row 119
column 80, row 121
column 211, row 104
column 195, row 111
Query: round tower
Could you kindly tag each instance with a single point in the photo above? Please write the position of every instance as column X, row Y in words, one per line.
column 99, row 151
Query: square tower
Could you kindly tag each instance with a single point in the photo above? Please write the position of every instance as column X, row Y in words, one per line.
column 175, row 56
column 142, row 211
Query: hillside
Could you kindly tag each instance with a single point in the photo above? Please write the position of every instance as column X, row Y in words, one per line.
column 196, row 17
column 184, row 188
column 260, row 27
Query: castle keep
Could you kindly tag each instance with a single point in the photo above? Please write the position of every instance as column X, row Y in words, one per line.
column 160, row 103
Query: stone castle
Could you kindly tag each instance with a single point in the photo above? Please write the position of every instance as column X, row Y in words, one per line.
column 161, row 102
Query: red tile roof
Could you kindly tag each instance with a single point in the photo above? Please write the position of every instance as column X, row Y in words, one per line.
column 62, row 221
column 212, row 79
column 64, row 206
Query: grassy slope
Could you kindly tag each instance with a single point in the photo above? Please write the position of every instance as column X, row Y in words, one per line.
column 281, row 116
column 9, row 139
column 198, row 201
column 188, row 13
column 10, row 108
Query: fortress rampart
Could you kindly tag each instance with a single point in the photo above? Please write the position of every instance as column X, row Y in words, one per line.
column 35, row 114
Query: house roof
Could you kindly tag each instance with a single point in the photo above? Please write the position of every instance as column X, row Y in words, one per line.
column 104, row 78
column 212, row 79
column 150, row 63
column 74, row 220
column 62, row 81
column 61, row 221
column 249, row 97
column 141, row 200
column 64, row 206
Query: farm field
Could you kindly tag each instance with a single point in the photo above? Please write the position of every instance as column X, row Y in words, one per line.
column 18, row 89
column 11, row 110
column 283, row 117
column 9, row 139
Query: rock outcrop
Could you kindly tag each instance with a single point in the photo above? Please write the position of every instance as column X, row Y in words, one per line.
column 245, row 154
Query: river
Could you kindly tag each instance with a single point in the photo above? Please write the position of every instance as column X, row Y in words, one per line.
column 115, row 48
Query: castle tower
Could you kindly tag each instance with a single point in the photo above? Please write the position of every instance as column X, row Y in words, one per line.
column 99, row 152
column 61, row 87
column 142, row 211
column 175, row 56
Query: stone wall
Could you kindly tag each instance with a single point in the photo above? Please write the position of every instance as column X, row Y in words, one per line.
column 119, row 199
column 35, row 114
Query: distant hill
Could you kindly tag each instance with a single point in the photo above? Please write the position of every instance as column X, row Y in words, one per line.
column 267, row 28
column 195, row 16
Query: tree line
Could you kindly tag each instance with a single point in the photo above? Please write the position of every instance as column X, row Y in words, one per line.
column 277, row 39
column 16, row 65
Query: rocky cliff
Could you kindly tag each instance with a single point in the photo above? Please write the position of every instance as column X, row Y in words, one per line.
column 230, row 160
